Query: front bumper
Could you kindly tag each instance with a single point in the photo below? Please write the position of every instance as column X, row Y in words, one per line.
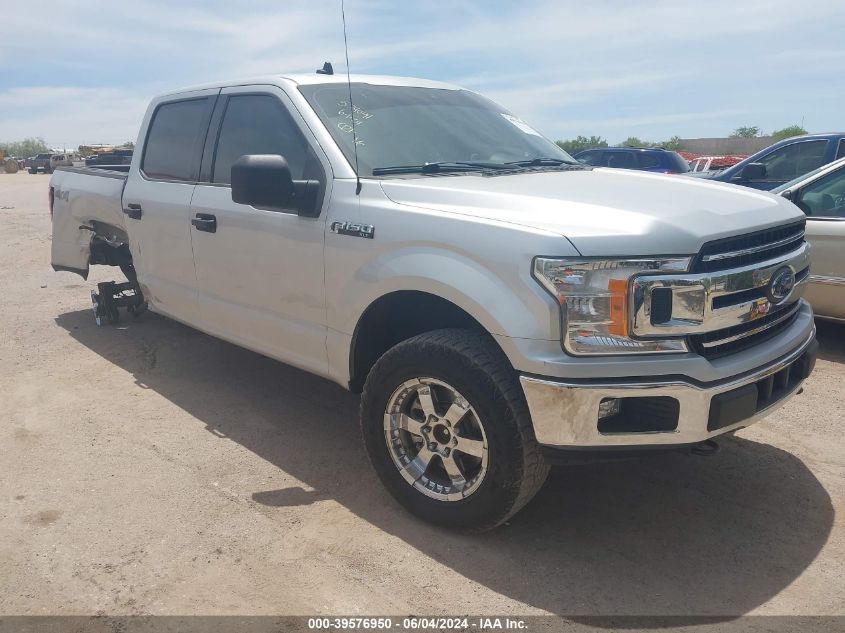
column 566, row 414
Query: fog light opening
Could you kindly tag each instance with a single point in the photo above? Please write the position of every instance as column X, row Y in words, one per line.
column 609, row 407
column 640, row 414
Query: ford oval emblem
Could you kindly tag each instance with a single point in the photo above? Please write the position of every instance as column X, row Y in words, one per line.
column 781, row 284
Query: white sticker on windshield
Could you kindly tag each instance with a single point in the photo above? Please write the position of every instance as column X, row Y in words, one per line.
column 522, row 125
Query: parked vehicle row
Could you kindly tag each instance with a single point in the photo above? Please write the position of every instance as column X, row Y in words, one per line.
column 653, row 159
column 48, row 162
column 784, row 161
column 489, row 295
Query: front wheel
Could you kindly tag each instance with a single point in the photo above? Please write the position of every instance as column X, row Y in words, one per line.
column 447, row 429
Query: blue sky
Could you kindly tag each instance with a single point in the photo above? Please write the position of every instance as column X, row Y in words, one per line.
column 82, row 71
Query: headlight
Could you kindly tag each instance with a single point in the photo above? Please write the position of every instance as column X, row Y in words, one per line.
column 593, row 297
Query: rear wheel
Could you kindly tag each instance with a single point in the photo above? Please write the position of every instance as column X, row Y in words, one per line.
column 448, row 431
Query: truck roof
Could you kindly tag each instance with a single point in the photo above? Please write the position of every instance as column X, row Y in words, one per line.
column 315, row 78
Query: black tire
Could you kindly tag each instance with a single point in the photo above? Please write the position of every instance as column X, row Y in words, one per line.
column 477, row 368
column 33, row 171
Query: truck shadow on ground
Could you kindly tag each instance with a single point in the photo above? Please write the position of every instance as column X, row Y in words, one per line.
column 831, row 336
column 665, row 535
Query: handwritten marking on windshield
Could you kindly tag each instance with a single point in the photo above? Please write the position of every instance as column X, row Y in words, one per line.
column 361, row 117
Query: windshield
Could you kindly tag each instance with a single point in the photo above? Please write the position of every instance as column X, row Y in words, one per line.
column 407, row 126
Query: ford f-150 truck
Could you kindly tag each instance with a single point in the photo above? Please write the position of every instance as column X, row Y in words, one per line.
column 499, row 305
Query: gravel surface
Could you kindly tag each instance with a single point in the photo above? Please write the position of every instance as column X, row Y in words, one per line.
column 150, row 469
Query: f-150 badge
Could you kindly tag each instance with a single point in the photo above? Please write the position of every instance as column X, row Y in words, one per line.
column 354, row 229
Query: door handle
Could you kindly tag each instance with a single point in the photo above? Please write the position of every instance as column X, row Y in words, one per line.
column 133, row 211
column 205, row 222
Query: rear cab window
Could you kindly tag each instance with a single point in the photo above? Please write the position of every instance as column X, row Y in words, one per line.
column 174, row 141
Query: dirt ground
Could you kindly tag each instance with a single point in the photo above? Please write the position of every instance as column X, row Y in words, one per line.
column 146, row 468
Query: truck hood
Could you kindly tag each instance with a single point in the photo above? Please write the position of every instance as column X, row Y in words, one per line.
column 604, row 211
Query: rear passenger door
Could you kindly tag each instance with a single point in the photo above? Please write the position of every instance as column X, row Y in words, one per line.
column 157, row 201
column 260, row 272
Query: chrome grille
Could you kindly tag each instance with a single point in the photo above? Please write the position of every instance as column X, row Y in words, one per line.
column 725, row 304
column 739, row 337
column 743, row 250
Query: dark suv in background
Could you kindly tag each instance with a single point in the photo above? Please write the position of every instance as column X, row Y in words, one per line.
column 653, row 159
column 784, row 161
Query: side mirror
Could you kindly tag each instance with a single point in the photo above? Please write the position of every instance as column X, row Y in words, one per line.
column 788, row 194
column 753, row 171
column 262, row 180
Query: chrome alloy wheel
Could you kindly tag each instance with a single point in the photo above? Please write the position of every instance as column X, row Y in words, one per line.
column 436, row 439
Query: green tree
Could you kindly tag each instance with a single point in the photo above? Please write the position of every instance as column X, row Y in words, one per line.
column 580, row 143
column 792, row 130
column 633, row 141
column 748, row 131
column 25, row 148
column 673, row 143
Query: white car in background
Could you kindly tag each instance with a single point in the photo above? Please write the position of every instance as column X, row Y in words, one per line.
column 69, row 159
column 820, row 194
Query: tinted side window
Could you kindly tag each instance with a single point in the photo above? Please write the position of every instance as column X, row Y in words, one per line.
column 174, row 141
column 648, row 161
column 825, row 197
column 258, row 124
column 840, row 152
column 795, row 159
column 590, row 158
column 621, row 160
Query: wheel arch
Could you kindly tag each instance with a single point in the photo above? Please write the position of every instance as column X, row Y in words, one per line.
column 397, row 316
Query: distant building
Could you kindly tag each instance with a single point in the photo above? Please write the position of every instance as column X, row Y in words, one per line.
column 725, row 146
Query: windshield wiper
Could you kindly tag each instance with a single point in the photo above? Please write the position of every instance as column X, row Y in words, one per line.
column 437, row 168
column 541, row 162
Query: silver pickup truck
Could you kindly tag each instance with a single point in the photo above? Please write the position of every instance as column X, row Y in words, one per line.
column 499, row 305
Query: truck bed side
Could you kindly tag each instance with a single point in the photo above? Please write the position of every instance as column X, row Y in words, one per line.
column 85, row 202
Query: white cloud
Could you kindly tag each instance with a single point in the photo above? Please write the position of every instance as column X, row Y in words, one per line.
column 668, row 117
column 557, row 63
column 70, row 116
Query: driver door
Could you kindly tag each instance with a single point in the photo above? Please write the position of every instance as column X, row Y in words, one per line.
column 259, row 272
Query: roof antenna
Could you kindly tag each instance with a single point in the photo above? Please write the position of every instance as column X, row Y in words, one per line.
column 351, row 107
column 326, row 69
